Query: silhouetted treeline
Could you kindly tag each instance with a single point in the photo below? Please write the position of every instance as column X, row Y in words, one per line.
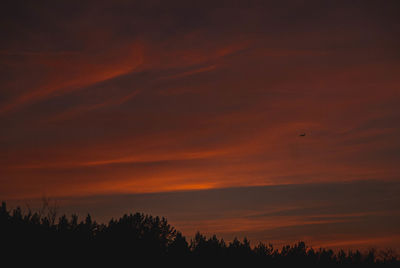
column 43, row 238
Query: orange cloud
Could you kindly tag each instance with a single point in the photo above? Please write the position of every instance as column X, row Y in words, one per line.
column 69, row 72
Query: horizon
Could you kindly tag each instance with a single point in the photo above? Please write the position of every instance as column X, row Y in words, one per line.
column 314, row 219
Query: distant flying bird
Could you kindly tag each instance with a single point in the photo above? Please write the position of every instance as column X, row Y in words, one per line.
column 302, row 135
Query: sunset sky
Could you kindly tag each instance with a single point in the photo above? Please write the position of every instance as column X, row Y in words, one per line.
column 192, row 110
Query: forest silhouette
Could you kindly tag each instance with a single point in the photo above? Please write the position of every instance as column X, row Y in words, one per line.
column 43, row 237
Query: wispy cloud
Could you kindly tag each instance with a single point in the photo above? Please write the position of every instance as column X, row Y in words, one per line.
column 70, row 72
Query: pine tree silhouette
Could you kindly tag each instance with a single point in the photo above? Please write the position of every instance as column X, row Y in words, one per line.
column 36, row 238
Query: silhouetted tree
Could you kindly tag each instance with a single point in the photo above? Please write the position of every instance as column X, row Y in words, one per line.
column 37, row 237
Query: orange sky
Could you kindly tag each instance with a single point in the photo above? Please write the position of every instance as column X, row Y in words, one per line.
column 142, row 97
